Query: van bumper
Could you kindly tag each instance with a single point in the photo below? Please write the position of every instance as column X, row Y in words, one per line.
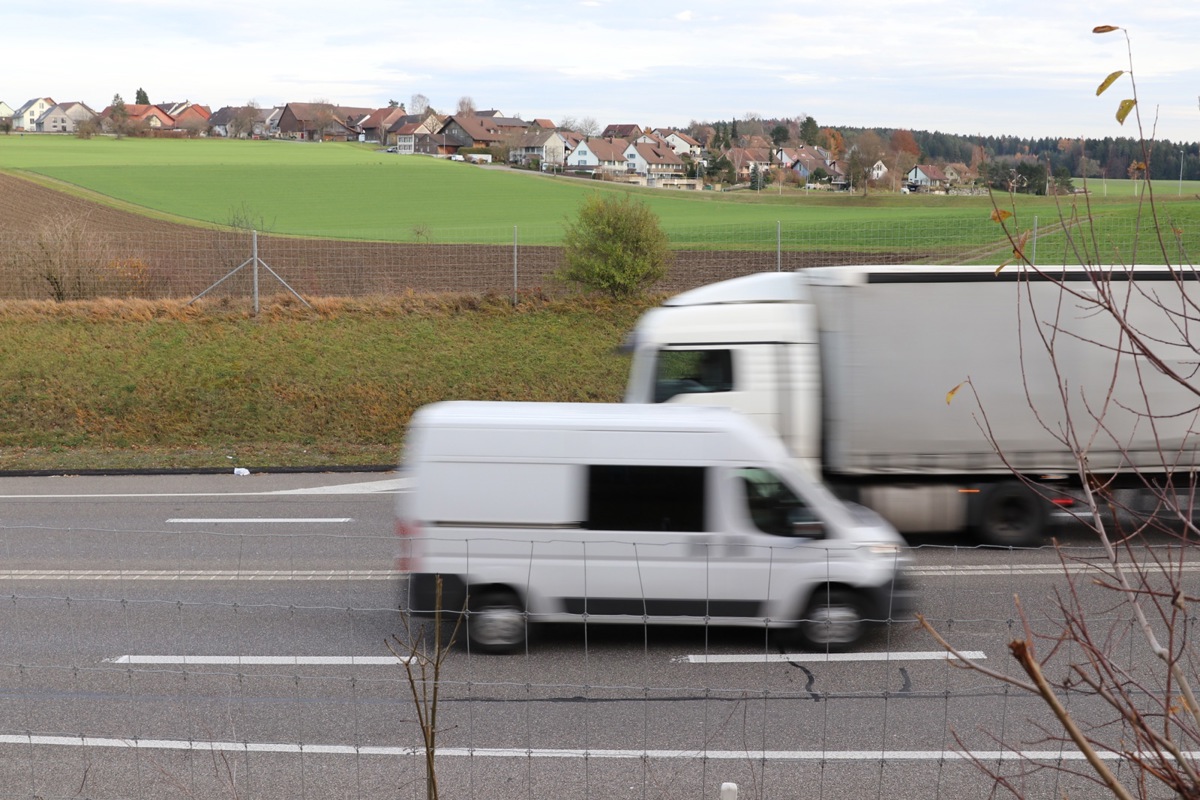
column 423, row 598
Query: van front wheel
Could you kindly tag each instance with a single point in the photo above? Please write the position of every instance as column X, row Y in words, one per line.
column 496, row 623
column 832, row 622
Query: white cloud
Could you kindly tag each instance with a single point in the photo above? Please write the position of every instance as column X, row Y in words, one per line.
column 1022, row 67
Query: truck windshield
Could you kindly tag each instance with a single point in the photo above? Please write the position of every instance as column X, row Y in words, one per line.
column 692, row 371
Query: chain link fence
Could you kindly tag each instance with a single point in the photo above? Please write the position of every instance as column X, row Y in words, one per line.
column 73, row 258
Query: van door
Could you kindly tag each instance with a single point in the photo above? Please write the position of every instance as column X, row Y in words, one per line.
column 649, row 537
column 777, row 547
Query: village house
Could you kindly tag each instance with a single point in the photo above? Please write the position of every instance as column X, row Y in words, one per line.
column 598, row 155
column 64, row 117
column 25, row 118
column 927, row 177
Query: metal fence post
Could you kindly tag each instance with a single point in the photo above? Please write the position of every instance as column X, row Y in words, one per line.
column 254, row 291
column 1033, row 253
column 778, row 246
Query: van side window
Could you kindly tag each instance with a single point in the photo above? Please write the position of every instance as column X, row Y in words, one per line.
column 636, row 498
column 688, row 371
column 772, row 505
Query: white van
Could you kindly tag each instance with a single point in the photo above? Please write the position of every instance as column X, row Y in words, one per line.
column 635, row 514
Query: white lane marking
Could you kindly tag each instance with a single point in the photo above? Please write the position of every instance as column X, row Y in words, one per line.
column 261, row 661
column 372, row 487
column 1001, row 570
column 564, row 753
column 764, row 658
column 369, row 487
column 200, row 575
column 252, row 520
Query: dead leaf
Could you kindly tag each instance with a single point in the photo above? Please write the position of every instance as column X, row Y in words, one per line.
column 1107, row 82
column 950, row 394
column 1124, row 109
column 999, row 215
column 1105, row 29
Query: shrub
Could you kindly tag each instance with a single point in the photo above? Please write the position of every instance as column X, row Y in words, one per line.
column 615, row 246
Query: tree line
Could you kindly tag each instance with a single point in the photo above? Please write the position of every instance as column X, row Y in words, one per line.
column 1110, row 157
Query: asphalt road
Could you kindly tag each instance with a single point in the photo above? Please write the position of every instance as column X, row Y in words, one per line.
column 226, row 636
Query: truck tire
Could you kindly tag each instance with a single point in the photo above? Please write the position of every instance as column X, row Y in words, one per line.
column 496, row 622
column 833, row 622
column 1011, row 515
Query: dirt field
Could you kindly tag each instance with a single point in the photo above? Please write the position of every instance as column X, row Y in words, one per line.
column 63, row 247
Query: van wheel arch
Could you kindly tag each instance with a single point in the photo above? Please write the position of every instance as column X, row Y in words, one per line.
column 832, row 618
column 497, row 619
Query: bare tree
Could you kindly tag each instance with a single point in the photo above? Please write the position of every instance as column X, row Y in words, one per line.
column 1135, row 665
column 862, row 156
column 417, row 104
column 466, row 107
column 242, row 123
column 324, row 115
column 588, row 126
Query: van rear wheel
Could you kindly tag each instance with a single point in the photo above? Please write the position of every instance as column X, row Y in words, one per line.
column 833, row 621
column 496, row 622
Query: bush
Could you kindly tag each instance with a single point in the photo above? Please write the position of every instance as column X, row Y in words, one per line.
column 615, row 246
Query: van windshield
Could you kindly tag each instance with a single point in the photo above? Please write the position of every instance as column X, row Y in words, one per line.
column 692, row 371
column 772, row 505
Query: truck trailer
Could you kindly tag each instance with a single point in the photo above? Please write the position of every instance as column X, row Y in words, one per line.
column 946, row 398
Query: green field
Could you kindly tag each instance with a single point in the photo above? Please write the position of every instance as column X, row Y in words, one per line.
column 352, row 191
column 142, row 384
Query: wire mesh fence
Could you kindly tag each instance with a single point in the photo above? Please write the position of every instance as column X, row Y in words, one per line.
column 67, row 258
column 237, row 658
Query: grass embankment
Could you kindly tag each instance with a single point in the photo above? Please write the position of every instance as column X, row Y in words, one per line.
column 158, row 385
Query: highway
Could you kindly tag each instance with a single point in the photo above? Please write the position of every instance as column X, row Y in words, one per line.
column 240, row 636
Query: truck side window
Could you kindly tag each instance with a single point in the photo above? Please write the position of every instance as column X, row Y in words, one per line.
column 687, row 371
column 636, row 498
column 773, row 506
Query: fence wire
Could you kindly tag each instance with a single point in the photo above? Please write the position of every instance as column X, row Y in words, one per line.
column 72, row 258
column 202, row 663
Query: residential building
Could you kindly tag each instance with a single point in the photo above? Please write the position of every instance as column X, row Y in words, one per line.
column 545, row 146
column 598, row 155
column 64, row 117
column 928, row 177
column 682, row 143
column 958, row 173
column 655, row 160
column 626, row 131
column 483, row 130
column 321, row 121
column 25, row 118
column 219, row 123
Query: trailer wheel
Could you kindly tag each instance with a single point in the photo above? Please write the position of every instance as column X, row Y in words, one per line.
column 834, row 621
column 1011, row 515
column 496, row 622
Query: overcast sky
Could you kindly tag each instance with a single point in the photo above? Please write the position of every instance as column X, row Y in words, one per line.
column 1021, row 67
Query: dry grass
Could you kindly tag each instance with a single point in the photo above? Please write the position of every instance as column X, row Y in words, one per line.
column 159, row 384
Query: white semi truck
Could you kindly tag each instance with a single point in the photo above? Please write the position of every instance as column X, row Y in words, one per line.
column 853, row 367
